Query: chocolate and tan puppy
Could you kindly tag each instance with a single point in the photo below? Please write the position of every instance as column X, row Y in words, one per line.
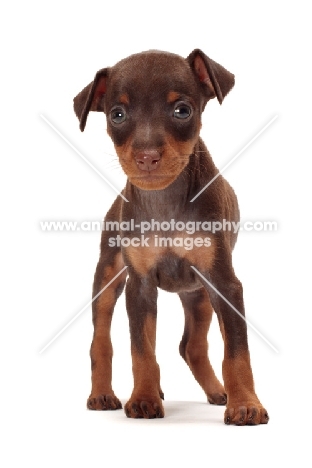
column 153, row 102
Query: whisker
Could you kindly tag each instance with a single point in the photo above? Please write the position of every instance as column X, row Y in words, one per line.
column 110, row 154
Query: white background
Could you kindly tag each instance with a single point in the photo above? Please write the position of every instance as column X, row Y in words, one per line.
column 50, row 51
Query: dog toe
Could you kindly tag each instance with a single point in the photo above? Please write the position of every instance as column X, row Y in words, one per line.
column 103, row 402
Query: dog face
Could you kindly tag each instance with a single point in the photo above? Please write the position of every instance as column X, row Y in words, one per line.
column 153, row 103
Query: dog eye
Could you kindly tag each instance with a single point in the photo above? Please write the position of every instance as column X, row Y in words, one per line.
column 118, row 115
column 182, row 111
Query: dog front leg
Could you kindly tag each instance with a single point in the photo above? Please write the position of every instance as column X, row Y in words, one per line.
column 243, row 405
column 141, row 300
column 102, row 396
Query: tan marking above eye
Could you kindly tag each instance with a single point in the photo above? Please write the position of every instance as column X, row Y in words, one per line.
column 173, row 96
column 124, row 99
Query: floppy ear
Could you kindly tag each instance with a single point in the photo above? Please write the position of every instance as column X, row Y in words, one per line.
column 214, row 79
column 91, row 98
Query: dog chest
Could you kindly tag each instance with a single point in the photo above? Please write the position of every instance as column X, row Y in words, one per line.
column 169, row 258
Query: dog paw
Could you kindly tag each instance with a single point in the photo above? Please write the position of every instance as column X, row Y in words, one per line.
column 103, row 402
column 249, row 414
column 217, row 398
column 147, row 408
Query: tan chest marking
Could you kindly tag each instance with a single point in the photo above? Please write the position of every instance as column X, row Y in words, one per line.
column 198, row 249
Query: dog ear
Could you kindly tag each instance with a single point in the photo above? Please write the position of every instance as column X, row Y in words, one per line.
column 214, row 79
column 91, row 98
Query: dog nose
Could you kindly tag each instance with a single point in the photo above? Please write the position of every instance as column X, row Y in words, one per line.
column 147, row 160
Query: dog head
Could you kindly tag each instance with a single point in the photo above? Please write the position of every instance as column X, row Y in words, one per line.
column 153, row 103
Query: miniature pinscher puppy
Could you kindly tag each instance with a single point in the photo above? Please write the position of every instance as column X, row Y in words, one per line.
column 153, row 102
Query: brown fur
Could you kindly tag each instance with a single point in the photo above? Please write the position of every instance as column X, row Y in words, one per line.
column 153, row 102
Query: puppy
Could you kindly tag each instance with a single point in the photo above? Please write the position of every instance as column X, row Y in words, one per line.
column 153, row 102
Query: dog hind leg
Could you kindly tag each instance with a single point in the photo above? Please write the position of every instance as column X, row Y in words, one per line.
column 194, row 346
